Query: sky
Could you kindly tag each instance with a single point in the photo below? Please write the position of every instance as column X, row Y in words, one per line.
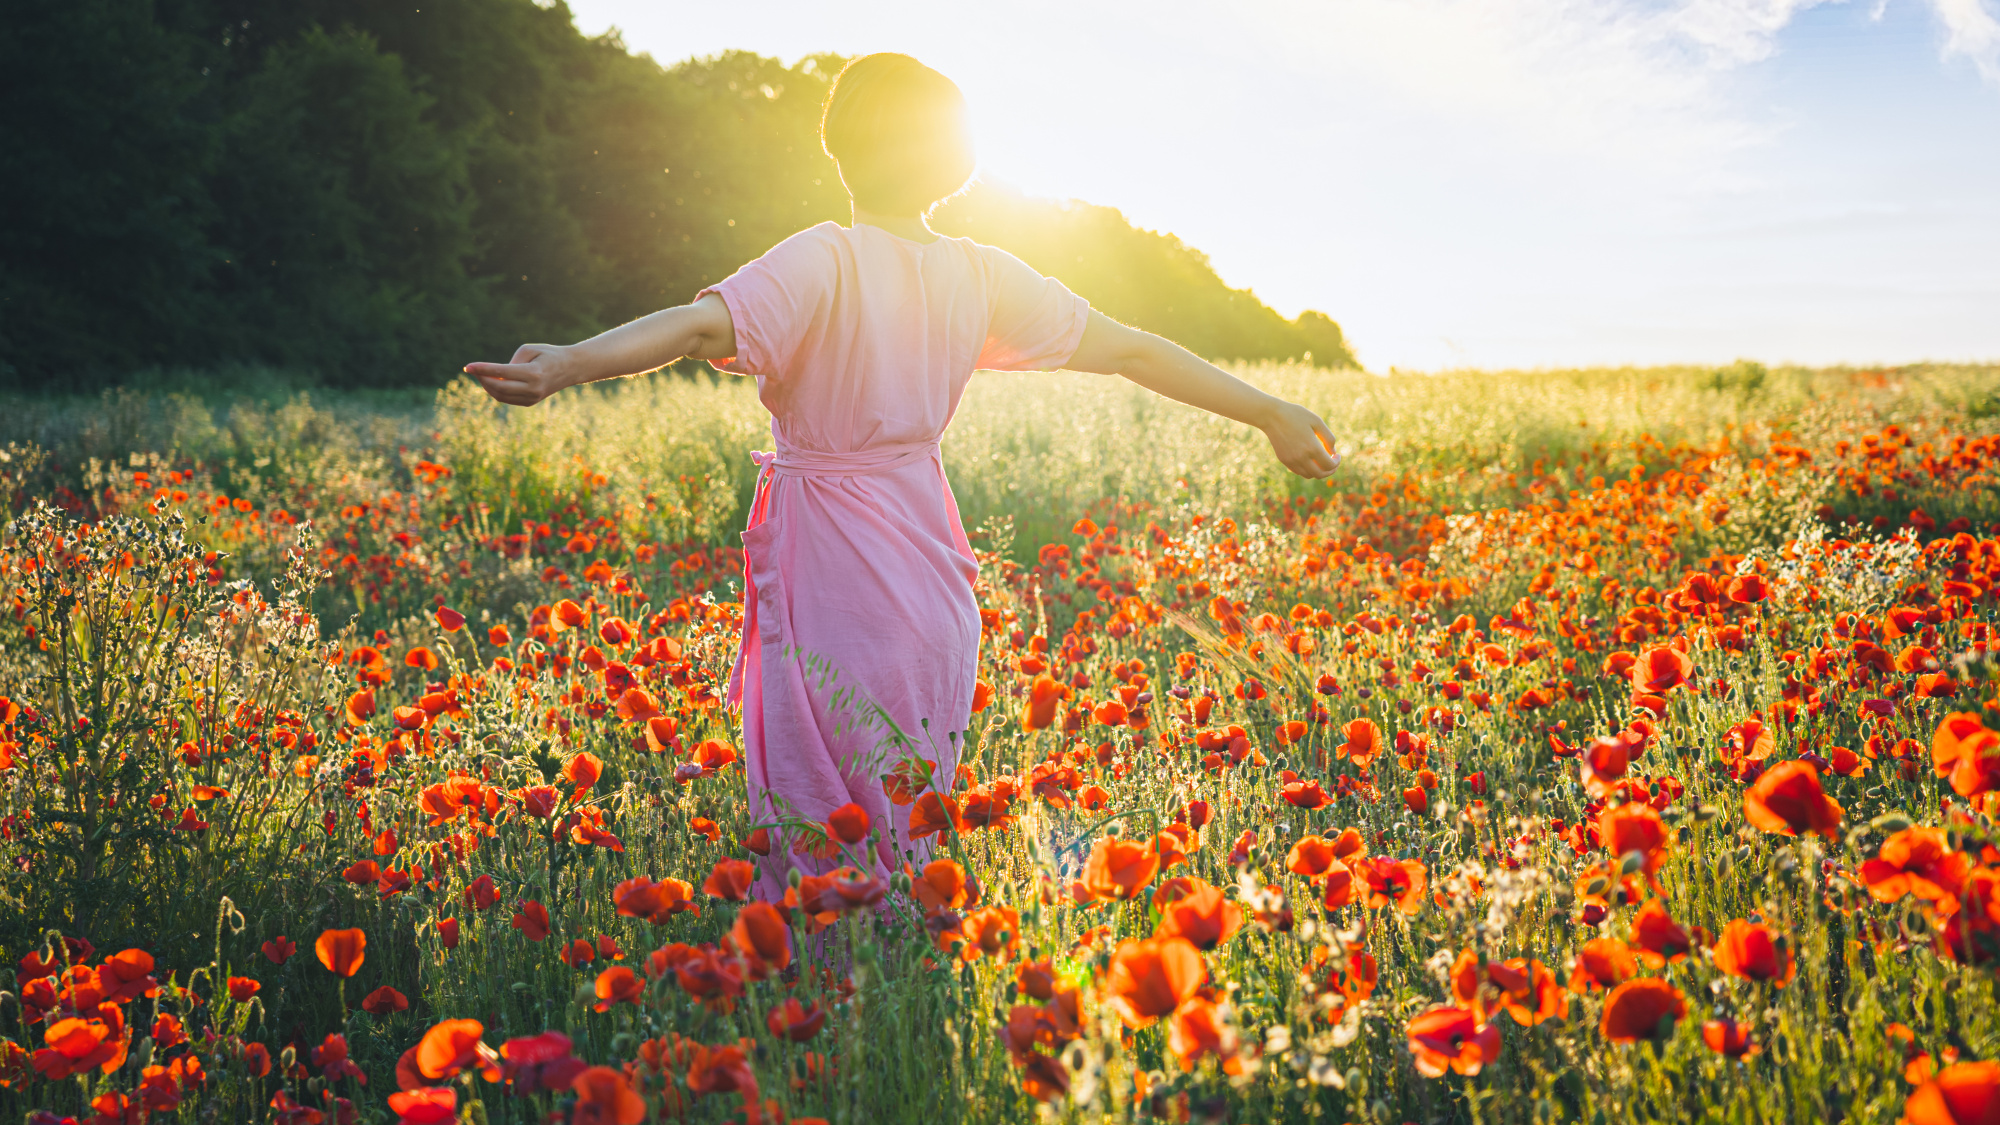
column 1492, row 183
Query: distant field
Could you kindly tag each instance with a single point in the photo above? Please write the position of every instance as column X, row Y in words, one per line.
column 1659, row 704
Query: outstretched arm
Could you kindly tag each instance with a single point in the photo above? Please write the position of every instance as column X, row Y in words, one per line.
column 702, row 330
column 1298, row 436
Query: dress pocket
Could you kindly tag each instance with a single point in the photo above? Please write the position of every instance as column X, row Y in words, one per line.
column 760, row 559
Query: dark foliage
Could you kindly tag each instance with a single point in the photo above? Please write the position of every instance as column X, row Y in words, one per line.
column 375, row 192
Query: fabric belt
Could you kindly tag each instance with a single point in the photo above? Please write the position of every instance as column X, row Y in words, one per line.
column 862, row 463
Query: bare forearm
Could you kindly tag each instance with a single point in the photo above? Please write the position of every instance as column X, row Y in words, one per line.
column 702, row 330
column 1166, row 368
column 645, row 344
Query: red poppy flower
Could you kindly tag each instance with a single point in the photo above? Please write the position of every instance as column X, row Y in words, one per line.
column 1661, row 669
column 618, row 984
column 453, row 1046
column 279, row 949
column 1788, row 800
column 532, row 919
column 1203, row 916
column 425, row 1105
column 1729, row 1038
column 1636, row 1009
column 342, row 951
column 1119, row 868
column 384, row 1001
column 1754, row 952
column 1602, row 963
column 1961, row 1094
column 848, row 824
column 1400, row 882
column 1148, row 979
column 762, row 938
column 1452, row 1039
column 794, row 1021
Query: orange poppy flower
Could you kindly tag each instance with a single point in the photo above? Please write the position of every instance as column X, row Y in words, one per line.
column 1149, row 978
column 1196, row 1031
column 453, row 1046
column 1364, row 742
column 1452, row 1039
column 1729, row 1038
column 1342, row 888
column 1658, row 937
column 848, row 824
column 1602, row 963
column 605, row 1097
column 1960, row 1094
column 1788, row 800
column 934, row 813
column 1967, row 752
column 1119, row 868
column 1528, row 990
column 1289, row 733
column 342, row 951
column 1603, row 764
column 1306, row 794
column 582, row 773
column 1754, row 952
column 1202, row 916
column 1661, row 669
column 944, row 885
column 1918, row 861
column 617, row 984
column 641, row 897
column 1635, row 1010
column 1635, row 827
column 992, row 930
column 1045, row 698
column 715, row 1070
column 360, row 707
column 731, row 880
column 1397, row 881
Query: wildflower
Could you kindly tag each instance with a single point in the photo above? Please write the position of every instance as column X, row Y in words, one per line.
column 1399, row 882
column 453, row 1046
column 1788, row 800
column 730, row 880
column 532, row 919
column 617, row 984
column 795, row 1022
column 1960, row 1094
column 1602, row 963
column 640, row 897
column 761, row 937
column 279, row 949
column 605, row 1097
column 384, row 1001
column 1203, row 916
column 1636, row 1010
column 242, row 988
column 1754, row 952
column 1119, row 869
column 342, row 951
column 848, row 824
column 533, row 1063
column 1197, row 1030
column 1149, row 978
column 1446, row 1038
column 1728, row 1038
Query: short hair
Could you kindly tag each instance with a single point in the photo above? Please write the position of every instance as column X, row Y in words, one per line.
column 898, row 131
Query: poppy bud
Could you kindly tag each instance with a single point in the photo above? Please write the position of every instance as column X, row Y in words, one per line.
column 795, row 877
column 1631, row 861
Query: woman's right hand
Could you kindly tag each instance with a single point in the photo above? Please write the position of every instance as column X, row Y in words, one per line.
column 536, row 372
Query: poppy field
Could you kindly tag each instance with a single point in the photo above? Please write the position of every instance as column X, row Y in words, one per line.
column 1594, row 746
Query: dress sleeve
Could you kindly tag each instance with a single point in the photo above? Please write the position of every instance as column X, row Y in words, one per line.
column 773, row 301
column 1035, row 322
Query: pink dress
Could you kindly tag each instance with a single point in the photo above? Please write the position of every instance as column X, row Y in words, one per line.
column 858, row 577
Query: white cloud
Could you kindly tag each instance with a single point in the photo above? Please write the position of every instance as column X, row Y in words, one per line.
column 1972, row 32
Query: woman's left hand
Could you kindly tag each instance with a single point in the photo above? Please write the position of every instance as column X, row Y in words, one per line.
column 1302, row 441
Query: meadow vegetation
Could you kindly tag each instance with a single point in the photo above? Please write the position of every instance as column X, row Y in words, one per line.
column 1597, row 745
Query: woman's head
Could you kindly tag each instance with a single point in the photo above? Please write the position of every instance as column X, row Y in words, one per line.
column 897, row 130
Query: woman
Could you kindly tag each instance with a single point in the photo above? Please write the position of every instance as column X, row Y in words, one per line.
column 858, row 583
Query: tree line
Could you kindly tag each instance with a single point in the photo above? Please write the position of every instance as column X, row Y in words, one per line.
column 375, row 191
